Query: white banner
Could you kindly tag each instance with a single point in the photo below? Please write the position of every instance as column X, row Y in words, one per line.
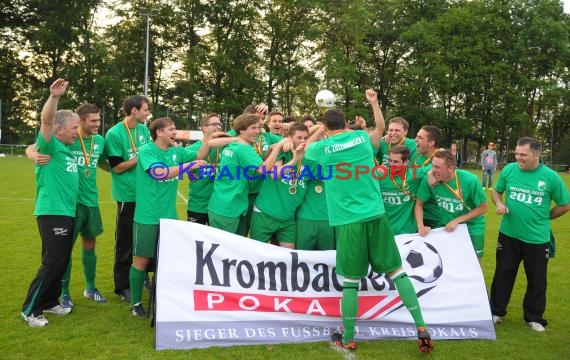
column 219, row 289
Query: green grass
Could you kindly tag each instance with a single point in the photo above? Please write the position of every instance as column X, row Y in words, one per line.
column 96, row 331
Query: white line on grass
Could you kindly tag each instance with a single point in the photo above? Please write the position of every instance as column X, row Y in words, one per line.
column 346, row 354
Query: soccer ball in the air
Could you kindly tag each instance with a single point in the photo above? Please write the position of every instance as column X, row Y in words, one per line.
column 325, row 99
column 424, row 263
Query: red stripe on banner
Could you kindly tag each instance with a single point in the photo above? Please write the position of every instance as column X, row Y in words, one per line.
column 323, row 306
column 385, row 308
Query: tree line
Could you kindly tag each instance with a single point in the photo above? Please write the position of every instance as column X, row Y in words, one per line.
column 481, row 70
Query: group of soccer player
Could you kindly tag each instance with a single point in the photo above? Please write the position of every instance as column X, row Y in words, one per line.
column 420, row 189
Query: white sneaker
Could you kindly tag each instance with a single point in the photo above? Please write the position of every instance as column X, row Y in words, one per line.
column 536, row 326
column 497, row 319
column 58, row 310
column 35, row 321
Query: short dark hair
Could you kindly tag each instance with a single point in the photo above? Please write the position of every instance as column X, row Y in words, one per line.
column 532, row 142
column 134, row 101
column 86, row 108
column 159, row 124
column 297, row 126
column 289, row 119
column 309, row 118
column 402, row 150
column 434, row 134
column 334, row 119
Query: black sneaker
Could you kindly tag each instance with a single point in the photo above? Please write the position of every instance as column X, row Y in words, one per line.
column 125, row 295
column 138, row 310
column 424, row 340
column 336, row 338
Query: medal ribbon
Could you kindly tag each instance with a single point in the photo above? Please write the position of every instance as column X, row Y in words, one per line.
column 296, row 175
column 259, row 146
column 131, row 137
column 457, row 192
column 401, row 142
column 217, row 157
column 403, row 188
column 87, row 157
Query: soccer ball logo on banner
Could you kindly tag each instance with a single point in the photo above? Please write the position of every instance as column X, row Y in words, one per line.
column 423, row 263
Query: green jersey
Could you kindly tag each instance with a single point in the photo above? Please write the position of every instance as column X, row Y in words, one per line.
column 57, row 182
column 230, row 195
column 199, row 191
column 314, row 205
column 262, row 143
column 350, row 199
column 275, row 198
column 384, row 149
column 156, row 199
column 457, row 197
column 528, row 196
column 422, row 164
column 125, row 144
column 398, row 194
column 92, row 151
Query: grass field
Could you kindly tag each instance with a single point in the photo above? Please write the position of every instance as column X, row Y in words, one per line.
column 105, row 331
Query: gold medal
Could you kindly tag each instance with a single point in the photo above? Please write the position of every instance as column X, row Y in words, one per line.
column 87, row 173
column 293, row 190
column 318, row 189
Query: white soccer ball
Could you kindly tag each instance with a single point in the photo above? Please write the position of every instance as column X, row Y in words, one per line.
column 325, row 99
column 423, row 263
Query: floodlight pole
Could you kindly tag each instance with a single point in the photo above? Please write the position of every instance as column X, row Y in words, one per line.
column 148, row 13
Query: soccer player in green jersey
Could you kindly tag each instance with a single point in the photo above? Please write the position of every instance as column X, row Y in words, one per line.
column 200, row 190
column 281, row 194
column 275, row 123
column 239, row 162
column 263, row 142
column 56, row 200
column 459, row 197
column 524, row 233
column 364, row 237
column 398, row 187
column 122, row 143
column 397, row 131
column 157, row 169
column 88, row 149
column 427, row 142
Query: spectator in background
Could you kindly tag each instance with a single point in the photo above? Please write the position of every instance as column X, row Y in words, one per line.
column 489, row 165
column 457, row 155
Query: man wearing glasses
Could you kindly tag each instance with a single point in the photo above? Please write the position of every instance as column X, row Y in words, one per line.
column 200, row 190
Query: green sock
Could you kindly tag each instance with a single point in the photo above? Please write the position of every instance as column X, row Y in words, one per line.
column 349, row 308
column 136, row 278
column 65, row 279
column 89, row 259
column 409, row 297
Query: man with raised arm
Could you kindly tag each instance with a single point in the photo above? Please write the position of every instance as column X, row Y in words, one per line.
column 57, row 185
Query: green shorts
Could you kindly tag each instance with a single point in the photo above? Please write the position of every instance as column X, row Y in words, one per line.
column 263, row 227
column 366, row 243
column 478, row 242
column 314, row 235
column 145, row 238
column 229, row 224
column 87, row 221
